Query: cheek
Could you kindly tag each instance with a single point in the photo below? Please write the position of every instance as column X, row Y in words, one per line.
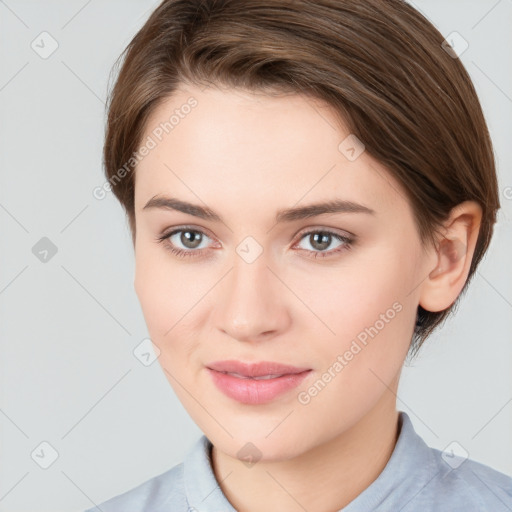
column 358, row 365
column 370, row 314
column 161, row 292
column 353, row 299
column 155, row 297
column 174, row 302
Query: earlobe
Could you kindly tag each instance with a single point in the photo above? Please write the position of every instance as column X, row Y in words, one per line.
column 453, row 255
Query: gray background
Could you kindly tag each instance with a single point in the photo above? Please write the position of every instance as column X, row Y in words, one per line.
column 69, row 325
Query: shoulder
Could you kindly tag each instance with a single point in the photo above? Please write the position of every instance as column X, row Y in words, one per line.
column 421, row 477
column 156, row 494
column 460, row 483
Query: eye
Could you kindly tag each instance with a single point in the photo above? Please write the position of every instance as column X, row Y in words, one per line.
column 189, row 238
column 185, row 242
column 322, row 239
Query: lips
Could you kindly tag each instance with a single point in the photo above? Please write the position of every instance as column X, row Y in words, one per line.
column 255, row 383
column 260, row 370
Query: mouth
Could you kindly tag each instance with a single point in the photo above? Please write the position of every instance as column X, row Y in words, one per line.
column 260, row 369
column 261, row 377
column 255, row 383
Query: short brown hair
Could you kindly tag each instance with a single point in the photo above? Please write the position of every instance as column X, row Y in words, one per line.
column 379, row 64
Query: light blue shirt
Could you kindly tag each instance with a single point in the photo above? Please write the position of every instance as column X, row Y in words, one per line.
column 416, row 478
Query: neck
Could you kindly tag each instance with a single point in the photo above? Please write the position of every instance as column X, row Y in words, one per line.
column 325, row 478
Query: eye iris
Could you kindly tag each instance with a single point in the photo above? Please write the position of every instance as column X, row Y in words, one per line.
column 325, row 240
column 190, row 239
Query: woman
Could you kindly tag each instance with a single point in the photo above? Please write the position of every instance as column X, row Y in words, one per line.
column 310, row 187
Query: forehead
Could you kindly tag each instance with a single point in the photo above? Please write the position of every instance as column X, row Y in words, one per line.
column 240, row 146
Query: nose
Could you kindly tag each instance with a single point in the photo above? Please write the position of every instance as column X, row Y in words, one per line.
column 251, row 306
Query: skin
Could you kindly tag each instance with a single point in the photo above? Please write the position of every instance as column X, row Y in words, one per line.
column 246, row 156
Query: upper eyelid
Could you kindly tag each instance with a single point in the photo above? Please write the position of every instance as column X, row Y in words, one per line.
column 334, row 231
column 303, row 230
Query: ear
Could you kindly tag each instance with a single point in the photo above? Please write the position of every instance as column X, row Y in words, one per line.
column 453, row 255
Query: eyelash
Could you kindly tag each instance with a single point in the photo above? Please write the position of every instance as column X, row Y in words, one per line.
column 191, row 253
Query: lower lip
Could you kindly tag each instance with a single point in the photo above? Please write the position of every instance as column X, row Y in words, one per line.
column 252, row 391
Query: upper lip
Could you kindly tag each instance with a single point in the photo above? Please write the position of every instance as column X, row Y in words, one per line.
column 258, row 369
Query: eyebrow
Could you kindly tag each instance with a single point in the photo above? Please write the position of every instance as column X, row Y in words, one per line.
column 286, row 215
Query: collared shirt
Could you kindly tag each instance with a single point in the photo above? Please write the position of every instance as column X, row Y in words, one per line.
column 417, row 478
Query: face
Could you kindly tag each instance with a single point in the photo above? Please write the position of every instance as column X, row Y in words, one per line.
column 252, row 274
